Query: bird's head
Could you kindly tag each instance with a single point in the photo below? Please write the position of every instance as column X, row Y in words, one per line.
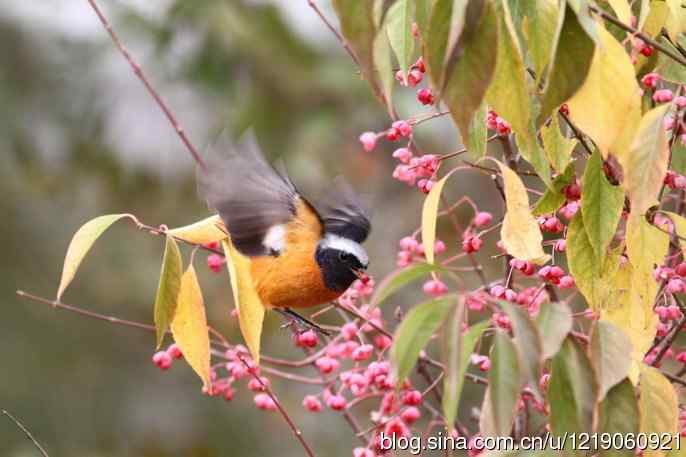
column 341, row 261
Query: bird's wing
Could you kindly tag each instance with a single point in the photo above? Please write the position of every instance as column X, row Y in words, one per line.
column 255, row 202
column 344, row 214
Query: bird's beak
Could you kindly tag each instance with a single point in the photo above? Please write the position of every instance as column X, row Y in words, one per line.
column 361, row 275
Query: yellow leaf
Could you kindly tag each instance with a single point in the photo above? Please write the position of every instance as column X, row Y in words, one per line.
column 205, row 231
column 556, row 146
column 609, row 97
column 80, row 245
column 520, row 232
column 622, row 10
column 168, row 288
column 679, row 227
column 645, row 164
column 250, row 307
column 189, row 326
column 658, row 407
column 676, row 20
column 429, row 216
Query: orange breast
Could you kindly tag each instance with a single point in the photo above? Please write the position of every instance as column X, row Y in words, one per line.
column 293, row 279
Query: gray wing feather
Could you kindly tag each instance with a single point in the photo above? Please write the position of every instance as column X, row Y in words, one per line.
column 344, row 214
column 247, row 192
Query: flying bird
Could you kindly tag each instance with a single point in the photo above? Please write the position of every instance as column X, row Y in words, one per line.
column 300, row 256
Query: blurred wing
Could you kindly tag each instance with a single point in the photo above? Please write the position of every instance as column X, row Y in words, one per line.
column 344, row 214
column 254, row 201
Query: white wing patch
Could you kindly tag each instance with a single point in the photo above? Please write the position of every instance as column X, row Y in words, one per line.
column 346, row 245
column 275, row 239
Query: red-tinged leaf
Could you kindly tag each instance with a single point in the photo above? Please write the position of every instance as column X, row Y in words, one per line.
column 189, row 326
column 168, row 288
column 500, row 402
column 572, row 393
column 81, row 243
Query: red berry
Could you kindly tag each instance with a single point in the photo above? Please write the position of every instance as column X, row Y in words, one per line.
column 412, row 398
column 647, row 51
column 392, row 134
column 410, row 415
column 307, row 338
column 425, row 96
column 564, row 109
column 162, row 360
column 215, row 262
column 174, row 351
column 312, row 404
column 336, row 402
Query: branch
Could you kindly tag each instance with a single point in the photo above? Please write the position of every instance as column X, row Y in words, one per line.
column 139, row 73
column 26, row 432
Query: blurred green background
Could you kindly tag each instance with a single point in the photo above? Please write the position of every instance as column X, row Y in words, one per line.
column 80, row 137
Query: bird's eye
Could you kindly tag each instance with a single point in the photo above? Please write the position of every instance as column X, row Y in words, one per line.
column 344, row 256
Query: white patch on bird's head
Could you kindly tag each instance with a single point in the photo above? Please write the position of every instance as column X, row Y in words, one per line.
column 346, row 245
column 275, row 239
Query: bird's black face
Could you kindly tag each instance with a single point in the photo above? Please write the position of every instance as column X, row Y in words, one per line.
column 339, row 268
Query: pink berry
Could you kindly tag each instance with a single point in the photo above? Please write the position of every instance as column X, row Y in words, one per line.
column 174, row 351
column 336, row 402
column 368, row 140
column 425, row 185
column 307, row 338
column 680, row 182
column 349, row 330
column 228, row 393
column 681, row 357
column 362, row 352
column 675, row 285
column 502, row 127
column 681, row 269
column 561, row 245
column 393, row 134
column 326, row 364
column 410, row 415
column 403, row 127
column 482, row 219
column 650, row 80
column 425, row 96
column 312, row 404
column 258, row 385
column 363, row 452
column 680, row 101
column 414, row 77
column 439, row 247
column 382, row 342
column 215, row 262
column 485, row 365
column 471, row 244
column 435, row 288
column 663, row 96
column 497, row 291
column 162, row 360
column 572, row 191
column 402, row 154
column 409, row 244
column 412, row 398
column 566, row 282
column 419, row 65
column 264, row 401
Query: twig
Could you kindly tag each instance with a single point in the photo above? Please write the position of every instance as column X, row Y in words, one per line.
column 336, row 33
column 296, row 431
column 668, row 52
column 26, row 432
column 139, row 73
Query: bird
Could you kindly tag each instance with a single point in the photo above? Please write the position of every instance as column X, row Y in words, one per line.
column 300, row 256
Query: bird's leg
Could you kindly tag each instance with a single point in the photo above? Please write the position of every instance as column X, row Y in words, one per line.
column 295, row 317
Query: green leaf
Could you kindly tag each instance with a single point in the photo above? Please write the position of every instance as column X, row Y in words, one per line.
column 557, row 147
column 401, row 278
column 645, row 164
column 601, row 206
column 607, row 105
column 384, row 66
column 457, row 350
column 553, row 197
column 658, row 406
column 80, row 244
column 399, row 29
column 541, row 28
column 570, row 65
column 500, row 401
column 471, row 74
column 572, row 393
column 168, row 288
column 554, row 322
column 414, row 333
column 582, row 10
column 668, row 68
column 422, row 16
column 358, row 29
column 478, row 133
column 610, row 355
column 618, row 415
column 435, row 39
column 457, row 26
column 528, row 342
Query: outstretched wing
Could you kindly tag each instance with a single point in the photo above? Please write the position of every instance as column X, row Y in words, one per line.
column 252, row 198
column 344, row 214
